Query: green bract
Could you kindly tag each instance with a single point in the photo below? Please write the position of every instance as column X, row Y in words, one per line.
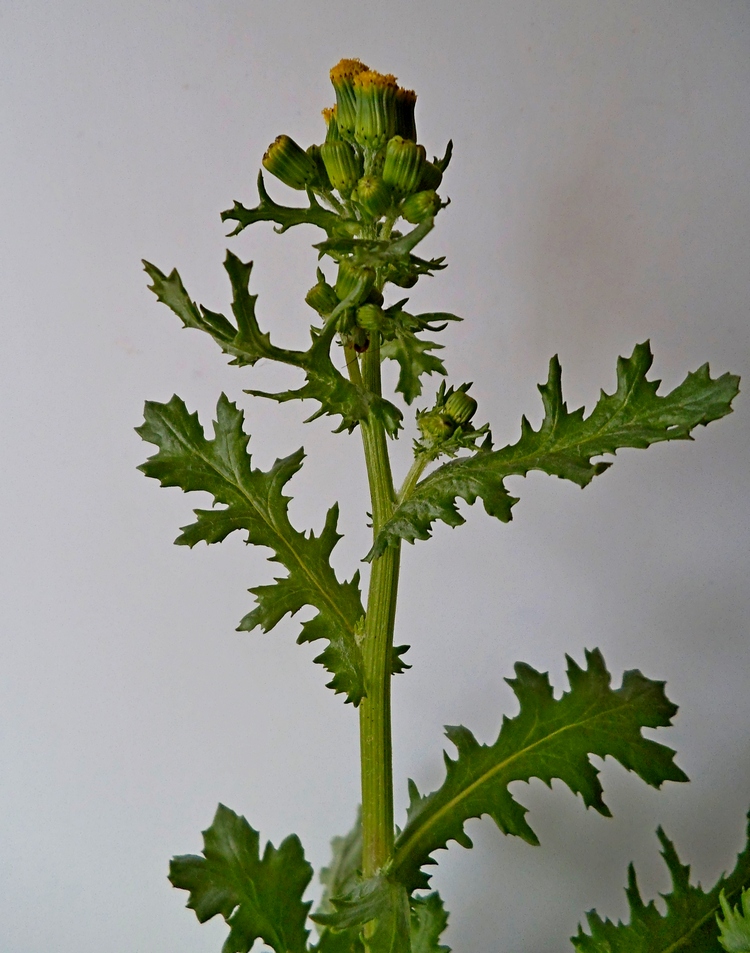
column 373, row 899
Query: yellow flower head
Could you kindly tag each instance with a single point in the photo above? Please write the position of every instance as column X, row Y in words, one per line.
column 375, row 108
column 342, row 76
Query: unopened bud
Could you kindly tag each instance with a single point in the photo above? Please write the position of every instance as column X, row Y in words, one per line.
column 375, row 96
column 435, row 426
column 420, row 206
column 342, row 76
column 342, row 165
column 322, row 298
column 431, row 176
column 352, row 280
column 402, row 168
column 373, row 195
column 406, row 100
column 402, row 277
column 333, row 133
column 321, row 180
column 290, row 163
column 371, row 317
column 460, row 407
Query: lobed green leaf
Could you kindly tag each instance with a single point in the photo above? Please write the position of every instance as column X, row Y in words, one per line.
column 688, row 924
column 402, row 345
column 429, row 919
column 245, row 341
column 377, row 900
column 269, row 211
column 549, row 738
column 336, row 394
column 259, row 897
column 565, row 444
column 252, row 500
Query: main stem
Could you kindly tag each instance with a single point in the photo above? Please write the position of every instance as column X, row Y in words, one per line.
column 375, row 708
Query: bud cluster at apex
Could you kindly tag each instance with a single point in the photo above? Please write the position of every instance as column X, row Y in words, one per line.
column 371, row 158
column 370, row 155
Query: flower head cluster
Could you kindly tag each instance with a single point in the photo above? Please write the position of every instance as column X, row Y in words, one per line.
column 369, row 171
column 370, row 155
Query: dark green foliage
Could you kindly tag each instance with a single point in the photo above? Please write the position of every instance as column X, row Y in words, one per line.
column 247, row 344
column 335, row 393
column 392, row 256
column 252, row 500
column 548, row 739
column 378, row 899
column 402, row 345
column 565, row 444
column 688, row 924
column 268, row 211
column 428, row 921
column 339, row 879
column 259, row 897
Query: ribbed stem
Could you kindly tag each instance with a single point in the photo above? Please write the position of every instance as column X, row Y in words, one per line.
column 375, row 709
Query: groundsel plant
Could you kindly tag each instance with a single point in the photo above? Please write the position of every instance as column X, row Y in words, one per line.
column 374, row 194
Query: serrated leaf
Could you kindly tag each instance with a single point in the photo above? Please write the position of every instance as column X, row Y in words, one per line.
column 374, row 253
column 377, row 899
column 345, row 869
column 565, row 444
column 245, row 342
column 688, row 924
column 429, row 919
column 734, row 924
column 339, row 879
column 269, row 211
column 252, row 500
column 549, row 738
column 402, row 345
column 259, row 897
column 336, row 394
column 414, row 360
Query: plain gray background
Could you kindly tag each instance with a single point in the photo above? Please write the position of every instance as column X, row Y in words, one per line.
column 599, row 197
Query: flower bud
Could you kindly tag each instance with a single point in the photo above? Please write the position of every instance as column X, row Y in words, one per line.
column 341, row 164
column 373, row 195
column 290, row 163
column 460, row 407
column 352, row 279
column 431, row 176
column 333, row 133
column 342, row 76
column 406, row 100
column 420, row 206
column 371, row 317
column 321, row 180
column 322, row 298
column 401, row 276
column 435, row 426
column 375, row 118
column 403, row 164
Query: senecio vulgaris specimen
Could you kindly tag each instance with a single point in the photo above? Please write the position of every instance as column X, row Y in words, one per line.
column 371, row 189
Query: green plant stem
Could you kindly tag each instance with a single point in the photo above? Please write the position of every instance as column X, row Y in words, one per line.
column 415, row 472
column 375, row 708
